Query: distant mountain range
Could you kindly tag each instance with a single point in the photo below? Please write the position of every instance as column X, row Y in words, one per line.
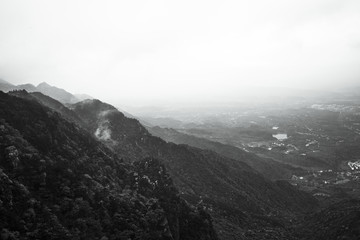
column 56, row 93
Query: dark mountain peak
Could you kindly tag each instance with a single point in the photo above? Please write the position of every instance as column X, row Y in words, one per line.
column 56, row 106
column 92, row 109
column 110, row 125
column 22, row 93
column 94, row 104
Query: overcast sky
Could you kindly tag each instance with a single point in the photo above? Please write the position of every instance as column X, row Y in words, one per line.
column 143, row 50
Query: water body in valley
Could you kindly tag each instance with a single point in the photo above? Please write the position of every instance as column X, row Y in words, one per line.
column 280, row 136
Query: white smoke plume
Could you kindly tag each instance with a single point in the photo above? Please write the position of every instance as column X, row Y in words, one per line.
column 103, row 132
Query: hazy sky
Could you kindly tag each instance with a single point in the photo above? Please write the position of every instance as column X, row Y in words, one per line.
column 143, row 50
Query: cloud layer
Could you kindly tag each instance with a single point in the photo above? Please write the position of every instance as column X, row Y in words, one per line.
column 143, row 50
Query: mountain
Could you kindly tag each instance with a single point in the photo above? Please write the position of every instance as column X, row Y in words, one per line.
column 56, row 93
column 267, row 167
column 236, row 194
column 82, row 97
column 57, row 181
column 27, row 87
column 50, row 103
column 6, row 86
column 86, row 171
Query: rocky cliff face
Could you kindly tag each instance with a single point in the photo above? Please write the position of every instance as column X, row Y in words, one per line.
column 58, row 182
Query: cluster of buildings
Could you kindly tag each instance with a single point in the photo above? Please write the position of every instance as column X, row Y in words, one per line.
column 325, row 183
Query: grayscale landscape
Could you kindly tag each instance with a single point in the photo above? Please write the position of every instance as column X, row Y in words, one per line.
column 209, row 120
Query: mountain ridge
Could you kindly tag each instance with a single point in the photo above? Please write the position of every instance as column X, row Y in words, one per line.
column 58, row 182
column 242, row 203
column 94, row 146
column 45, row 88
column 201, row 175
column 196, row 172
